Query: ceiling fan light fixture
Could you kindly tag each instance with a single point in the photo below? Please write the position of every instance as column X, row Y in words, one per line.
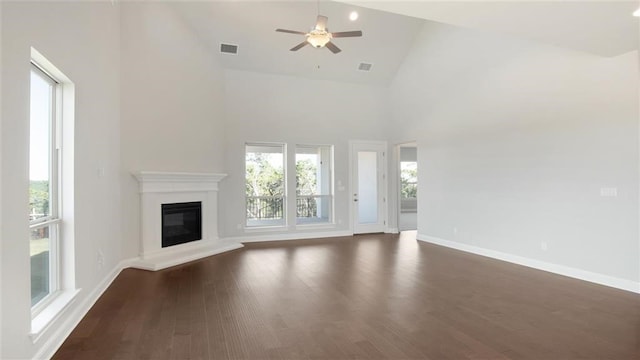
column 318, row 39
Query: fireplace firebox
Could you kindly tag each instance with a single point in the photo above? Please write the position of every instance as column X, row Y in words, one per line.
column 181, row 223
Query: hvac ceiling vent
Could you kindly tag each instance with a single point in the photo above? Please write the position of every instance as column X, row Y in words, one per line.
column 365, row 66
column 229, row 49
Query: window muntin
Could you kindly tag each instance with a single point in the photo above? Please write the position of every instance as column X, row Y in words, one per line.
column 265, row 185
column 43, row 185
column 314, row 193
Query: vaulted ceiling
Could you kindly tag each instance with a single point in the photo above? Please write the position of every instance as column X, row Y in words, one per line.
column 603, row 28
column 251, row 25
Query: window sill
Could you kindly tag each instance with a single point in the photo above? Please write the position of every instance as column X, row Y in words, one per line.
column 251, row 229
column 315, row 226
column 51, row 312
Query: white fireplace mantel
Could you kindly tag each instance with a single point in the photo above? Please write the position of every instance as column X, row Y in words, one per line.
column 155, row 181
column 157, row 188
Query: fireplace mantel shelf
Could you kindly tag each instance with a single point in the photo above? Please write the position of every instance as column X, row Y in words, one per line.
column 157, row 181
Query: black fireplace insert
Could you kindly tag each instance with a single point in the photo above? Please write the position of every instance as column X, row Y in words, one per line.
column 181, row 223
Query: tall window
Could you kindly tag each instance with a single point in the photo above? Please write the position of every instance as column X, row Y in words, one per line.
column 314, row 197
column 44, row 209
column 265, row 184
column 409, row 179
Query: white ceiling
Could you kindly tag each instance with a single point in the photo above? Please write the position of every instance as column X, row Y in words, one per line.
column 386, row 39
column 604, row 28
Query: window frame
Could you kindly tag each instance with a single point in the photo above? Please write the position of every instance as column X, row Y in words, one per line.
column 53, row 221
column 330, row 179
column 284, row 223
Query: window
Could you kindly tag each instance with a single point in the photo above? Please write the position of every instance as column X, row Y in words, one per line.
column 44, row 205
column 51, row 192
column 265, row 184
column 314, row 197
column 409, row 179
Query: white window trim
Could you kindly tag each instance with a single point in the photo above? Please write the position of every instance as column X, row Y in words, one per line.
column 52, row 221
column 52, row 307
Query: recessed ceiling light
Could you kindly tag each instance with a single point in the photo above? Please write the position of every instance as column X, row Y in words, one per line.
column 353, row 16
column 637, row 12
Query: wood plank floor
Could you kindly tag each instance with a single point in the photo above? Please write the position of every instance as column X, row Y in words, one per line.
column 363, row 297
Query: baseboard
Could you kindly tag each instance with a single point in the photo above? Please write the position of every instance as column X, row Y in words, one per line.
column 391, row 231
column 72, row 316
column 288, row 236
column 575, row 273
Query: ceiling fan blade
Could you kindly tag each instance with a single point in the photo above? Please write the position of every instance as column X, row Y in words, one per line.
column 291, row 31
column 346, row 34
column 331, row 46
column 299, row 46
column 321, row 23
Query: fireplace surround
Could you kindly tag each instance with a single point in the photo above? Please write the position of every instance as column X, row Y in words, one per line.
column 166, row 188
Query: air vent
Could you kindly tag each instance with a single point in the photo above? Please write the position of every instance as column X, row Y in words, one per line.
column 365, row 66
column 229, row 49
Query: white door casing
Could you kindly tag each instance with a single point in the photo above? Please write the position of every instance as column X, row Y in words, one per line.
column 367, row 167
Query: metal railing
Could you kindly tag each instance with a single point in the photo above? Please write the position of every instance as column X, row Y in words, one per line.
column 262, row 210
column 265, row 207
column 307, row 205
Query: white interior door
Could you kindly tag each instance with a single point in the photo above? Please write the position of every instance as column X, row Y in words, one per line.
column 368, row 187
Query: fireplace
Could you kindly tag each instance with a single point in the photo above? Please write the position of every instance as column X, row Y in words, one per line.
column 179, row 218
column 181, row 223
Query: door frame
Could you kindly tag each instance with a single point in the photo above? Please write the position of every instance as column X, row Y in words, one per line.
column 397, row 181
column 383, row 222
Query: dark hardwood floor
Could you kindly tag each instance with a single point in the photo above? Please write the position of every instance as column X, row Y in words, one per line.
column 366, row 297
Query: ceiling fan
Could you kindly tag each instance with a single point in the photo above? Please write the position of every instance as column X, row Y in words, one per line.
column 319, row 36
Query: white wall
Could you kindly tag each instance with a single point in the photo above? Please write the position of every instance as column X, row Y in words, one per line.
column 273, row 108
column 1, row 188
column 82, row 40
column 408, row 153
column 172, row 109
column 515, row 140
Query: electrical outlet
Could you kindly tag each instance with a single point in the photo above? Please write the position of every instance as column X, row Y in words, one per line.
column 239, row 226
column 455, row 231
column 339, row 221
column 544, row 246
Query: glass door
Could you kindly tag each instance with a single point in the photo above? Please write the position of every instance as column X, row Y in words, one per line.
column 368, row 179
